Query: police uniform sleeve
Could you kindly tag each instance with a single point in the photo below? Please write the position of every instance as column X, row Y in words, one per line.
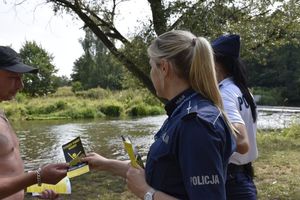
column 230, row 102
column 200, row 154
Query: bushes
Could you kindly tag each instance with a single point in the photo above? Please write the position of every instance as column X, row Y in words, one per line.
column 95, row 93
column 145, row 110
column 81, row 113
column 93, row 103
column 111, row 108
column 63, row 92
column 37, row 109
column 15, row 112
column 270, row 97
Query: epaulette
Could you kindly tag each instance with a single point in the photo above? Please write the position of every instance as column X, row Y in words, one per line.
column 190, row 115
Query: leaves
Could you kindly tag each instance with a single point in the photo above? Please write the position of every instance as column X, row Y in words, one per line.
column 44, row 82
column 97, row 68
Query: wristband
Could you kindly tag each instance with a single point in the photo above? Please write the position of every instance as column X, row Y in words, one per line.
column 149, row 194
column 39, row 176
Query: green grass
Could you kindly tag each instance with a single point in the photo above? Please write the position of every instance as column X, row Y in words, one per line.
column 278, row 166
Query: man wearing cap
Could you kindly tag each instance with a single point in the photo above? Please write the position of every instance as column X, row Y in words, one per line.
column 13, row 180
column 240, row 107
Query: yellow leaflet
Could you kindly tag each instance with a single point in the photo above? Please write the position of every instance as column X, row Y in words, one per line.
column 134, row 157
column 62, row 187
column 78, row 171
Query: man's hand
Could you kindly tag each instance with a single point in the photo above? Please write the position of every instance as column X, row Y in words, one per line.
column 53, row 173
column 48, row 194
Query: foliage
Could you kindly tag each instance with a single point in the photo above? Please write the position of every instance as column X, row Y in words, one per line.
column 62, row 92
column 45, row 81
column 93, row 103
column 20, row 97
column 76, row 86
column 143, row 110
column 280, row 75
column 61, row 81
column 270, row 97
column 97, row 68
column 204, row 18
column 111, row 108
column 130, row 81
column 81, row 113
column 94, row 93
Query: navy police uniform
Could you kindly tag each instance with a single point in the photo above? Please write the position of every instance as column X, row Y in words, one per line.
column 189, row 157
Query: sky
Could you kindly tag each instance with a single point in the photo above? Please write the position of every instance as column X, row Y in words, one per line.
column 58, row 35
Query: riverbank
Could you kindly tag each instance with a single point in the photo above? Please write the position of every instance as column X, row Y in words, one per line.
column 93, row 103
column 99, row 103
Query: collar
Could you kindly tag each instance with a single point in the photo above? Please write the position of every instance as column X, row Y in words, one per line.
column 226, row 81
column 173, row 103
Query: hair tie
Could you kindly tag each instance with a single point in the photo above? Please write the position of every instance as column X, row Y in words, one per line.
column 194, row 41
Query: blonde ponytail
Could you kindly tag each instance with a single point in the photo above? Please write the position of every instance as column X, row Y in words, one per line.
column 202, row 74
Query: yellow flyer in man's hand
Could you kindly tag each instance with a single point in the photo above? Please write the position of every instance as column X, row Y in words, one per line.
column 62, row 187
column 73, row 152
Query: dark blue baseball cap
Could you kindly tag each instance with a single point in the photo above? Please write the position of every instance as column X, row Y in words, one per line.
column 11, row 61
column 227, row 45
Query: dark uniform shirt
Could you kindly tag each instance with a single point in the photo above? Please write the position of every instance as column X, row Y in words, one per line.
column 189, row 157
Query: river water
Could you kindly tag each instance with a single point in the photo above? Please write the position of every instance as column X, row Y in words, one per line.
column 41, row 141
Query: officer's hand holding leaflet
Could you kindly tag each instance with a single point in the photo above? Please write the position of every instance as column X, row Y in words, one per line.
column 101, row 163
column 137, row 184
column 136, row 181
column 95, row 161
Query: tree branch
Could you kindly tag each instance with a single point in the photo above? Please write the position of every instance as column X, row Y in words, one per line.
column 77, row 8
column 158, row 16
column 191, row 9
column 116, row 34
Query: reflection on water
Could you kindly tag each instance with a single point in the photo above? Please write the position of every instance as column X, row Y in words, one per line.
column 41, row 141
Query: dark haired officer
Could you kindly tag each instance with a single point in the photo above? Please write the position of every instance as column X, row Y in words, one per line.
column 13, row 180
column 240, row 108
